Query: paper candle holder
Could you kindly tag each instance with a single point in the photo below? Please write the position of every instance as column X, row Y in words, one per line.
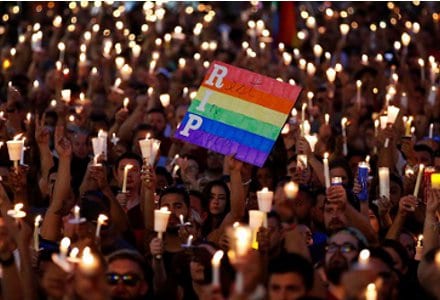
column 265, row 198
column 149, row 148
column 161, row 217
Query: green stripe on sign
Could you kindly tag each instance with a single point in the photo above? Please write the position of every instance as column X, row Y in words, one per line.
column 234, row 119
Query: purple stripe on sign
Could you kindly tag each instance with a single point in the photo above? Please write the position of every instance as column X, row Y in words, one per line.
column 225, row 146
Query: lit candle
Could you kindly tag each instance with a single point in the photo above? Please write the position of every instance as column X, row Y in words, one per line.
column 435, row 181
column 419, row 248
column 408, row 121
column 64, row 247
column 393, row 112
column 161, row 217
column 358, row 92
column 124, row 182
column 242, row 241
column 17, row 213
column 419, row 180
column 36, row 232
column 265, row 198
column 165, row 100
column 303, row 112
column 215, row 261
column 125, row 72
column 326, row 170
column 327, row 119
column 102, row 219
column 317, row 51
column 66, row 95
column 88, row 263
column 421, row 63
column 256, row 220
column 384, row 182
column 431, row 131
column 363, row 259
column 344, row 136
column 62, row 49
column 383, row 122
column 371, row 292
column 291, row 190
column 331, row 75
column 149, row 148
column 344, row 29
column 15, row 149
column 310, row 96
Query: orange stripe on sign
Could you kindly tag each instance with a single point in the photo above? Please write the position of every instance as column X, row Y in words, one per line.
column 253, row 95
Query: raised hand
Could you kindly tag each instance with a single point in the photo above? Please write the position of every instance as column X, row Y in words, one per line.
column 407, row 205
column 42, row 134
column 62, row 143
column 233, row 164
column 148, row 177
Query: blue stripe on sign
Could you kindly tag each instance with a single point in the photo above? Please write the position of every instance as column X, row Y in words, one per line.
column 232, row 133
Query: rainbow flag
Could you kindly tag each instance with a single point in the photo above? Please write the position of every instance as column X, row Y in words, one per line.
column 238, row 112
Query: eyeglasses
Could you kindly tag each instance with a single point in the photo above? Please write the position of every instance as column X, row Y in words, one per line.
column 127, row 279
column 344, row 248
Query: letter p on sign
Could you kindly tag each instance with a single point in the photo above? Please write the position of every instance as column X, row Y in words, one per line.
column 194, row 122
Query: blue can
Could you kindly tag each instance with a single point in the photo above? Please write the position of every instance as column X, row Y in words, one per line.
column 363, row 181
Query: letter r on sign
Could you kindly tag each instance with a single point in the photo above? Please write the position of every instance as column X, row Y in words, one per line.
column 218, row 74
column 194, row 122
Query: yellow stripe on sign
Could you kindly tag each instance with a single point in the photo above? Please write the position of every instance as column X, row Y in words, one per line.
column 242, row 106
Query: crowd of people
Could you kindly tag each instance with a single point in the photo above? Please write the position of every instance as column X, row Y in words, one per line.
column 73, row 71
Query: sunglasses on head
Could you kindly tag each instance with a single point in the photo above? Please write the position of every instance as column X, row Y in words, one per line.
column 127, row 279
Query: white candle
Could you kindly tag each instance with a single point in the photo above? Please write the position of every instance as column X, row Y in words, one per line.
column 102, row 219
column 215, row 261
column 326, row 170
column 384, row 182
column 76, row 213
column 393, row 112
column 404, row 101
column 64, row 247
column 125, row 102
column 17, row 213
column 291, row 190
column 265, row 198
column 149, row 148
column 62, row 49
column 88, row 263
column 164, row 100
column 126, row 72
column 358, row 92
column 36, row 232
column 364, row 256
column 327, row 119
column 419, row 248
column 124, row 181
column 344, row 136
column 256, row 220
column 331, row 75
column 161, row 217
column 15, row 149
column 431, row 131
column 419, row 180
column 371, row 292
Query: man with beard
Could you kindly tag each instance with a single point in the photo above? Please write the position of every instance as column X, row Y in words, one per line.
column 342, row 250
column 128, row 277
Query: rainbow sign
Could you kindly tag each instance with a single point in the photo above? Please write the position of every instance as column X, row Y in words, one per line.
column 238, row 112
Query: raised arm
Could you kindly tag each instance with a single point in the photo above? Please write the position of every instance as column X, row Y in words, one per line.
column 431, row 226
column 52, row 223
column 337, row 194
column 42, row 137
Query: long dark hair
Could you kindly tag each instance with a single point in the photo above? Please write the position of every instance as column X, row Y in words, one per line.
column 213, row 221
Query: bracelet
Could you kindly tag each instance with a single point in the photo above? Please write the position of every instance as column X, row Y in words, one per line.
column 7, row 262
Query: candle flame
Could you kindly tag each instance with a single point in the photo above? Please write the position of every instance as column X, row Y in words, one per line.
column 102, row 219
column 217, row 257
column 17, row 137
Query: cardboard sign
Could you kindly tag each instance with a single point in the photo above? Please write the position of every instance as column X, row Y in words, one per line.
column 238, row 112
